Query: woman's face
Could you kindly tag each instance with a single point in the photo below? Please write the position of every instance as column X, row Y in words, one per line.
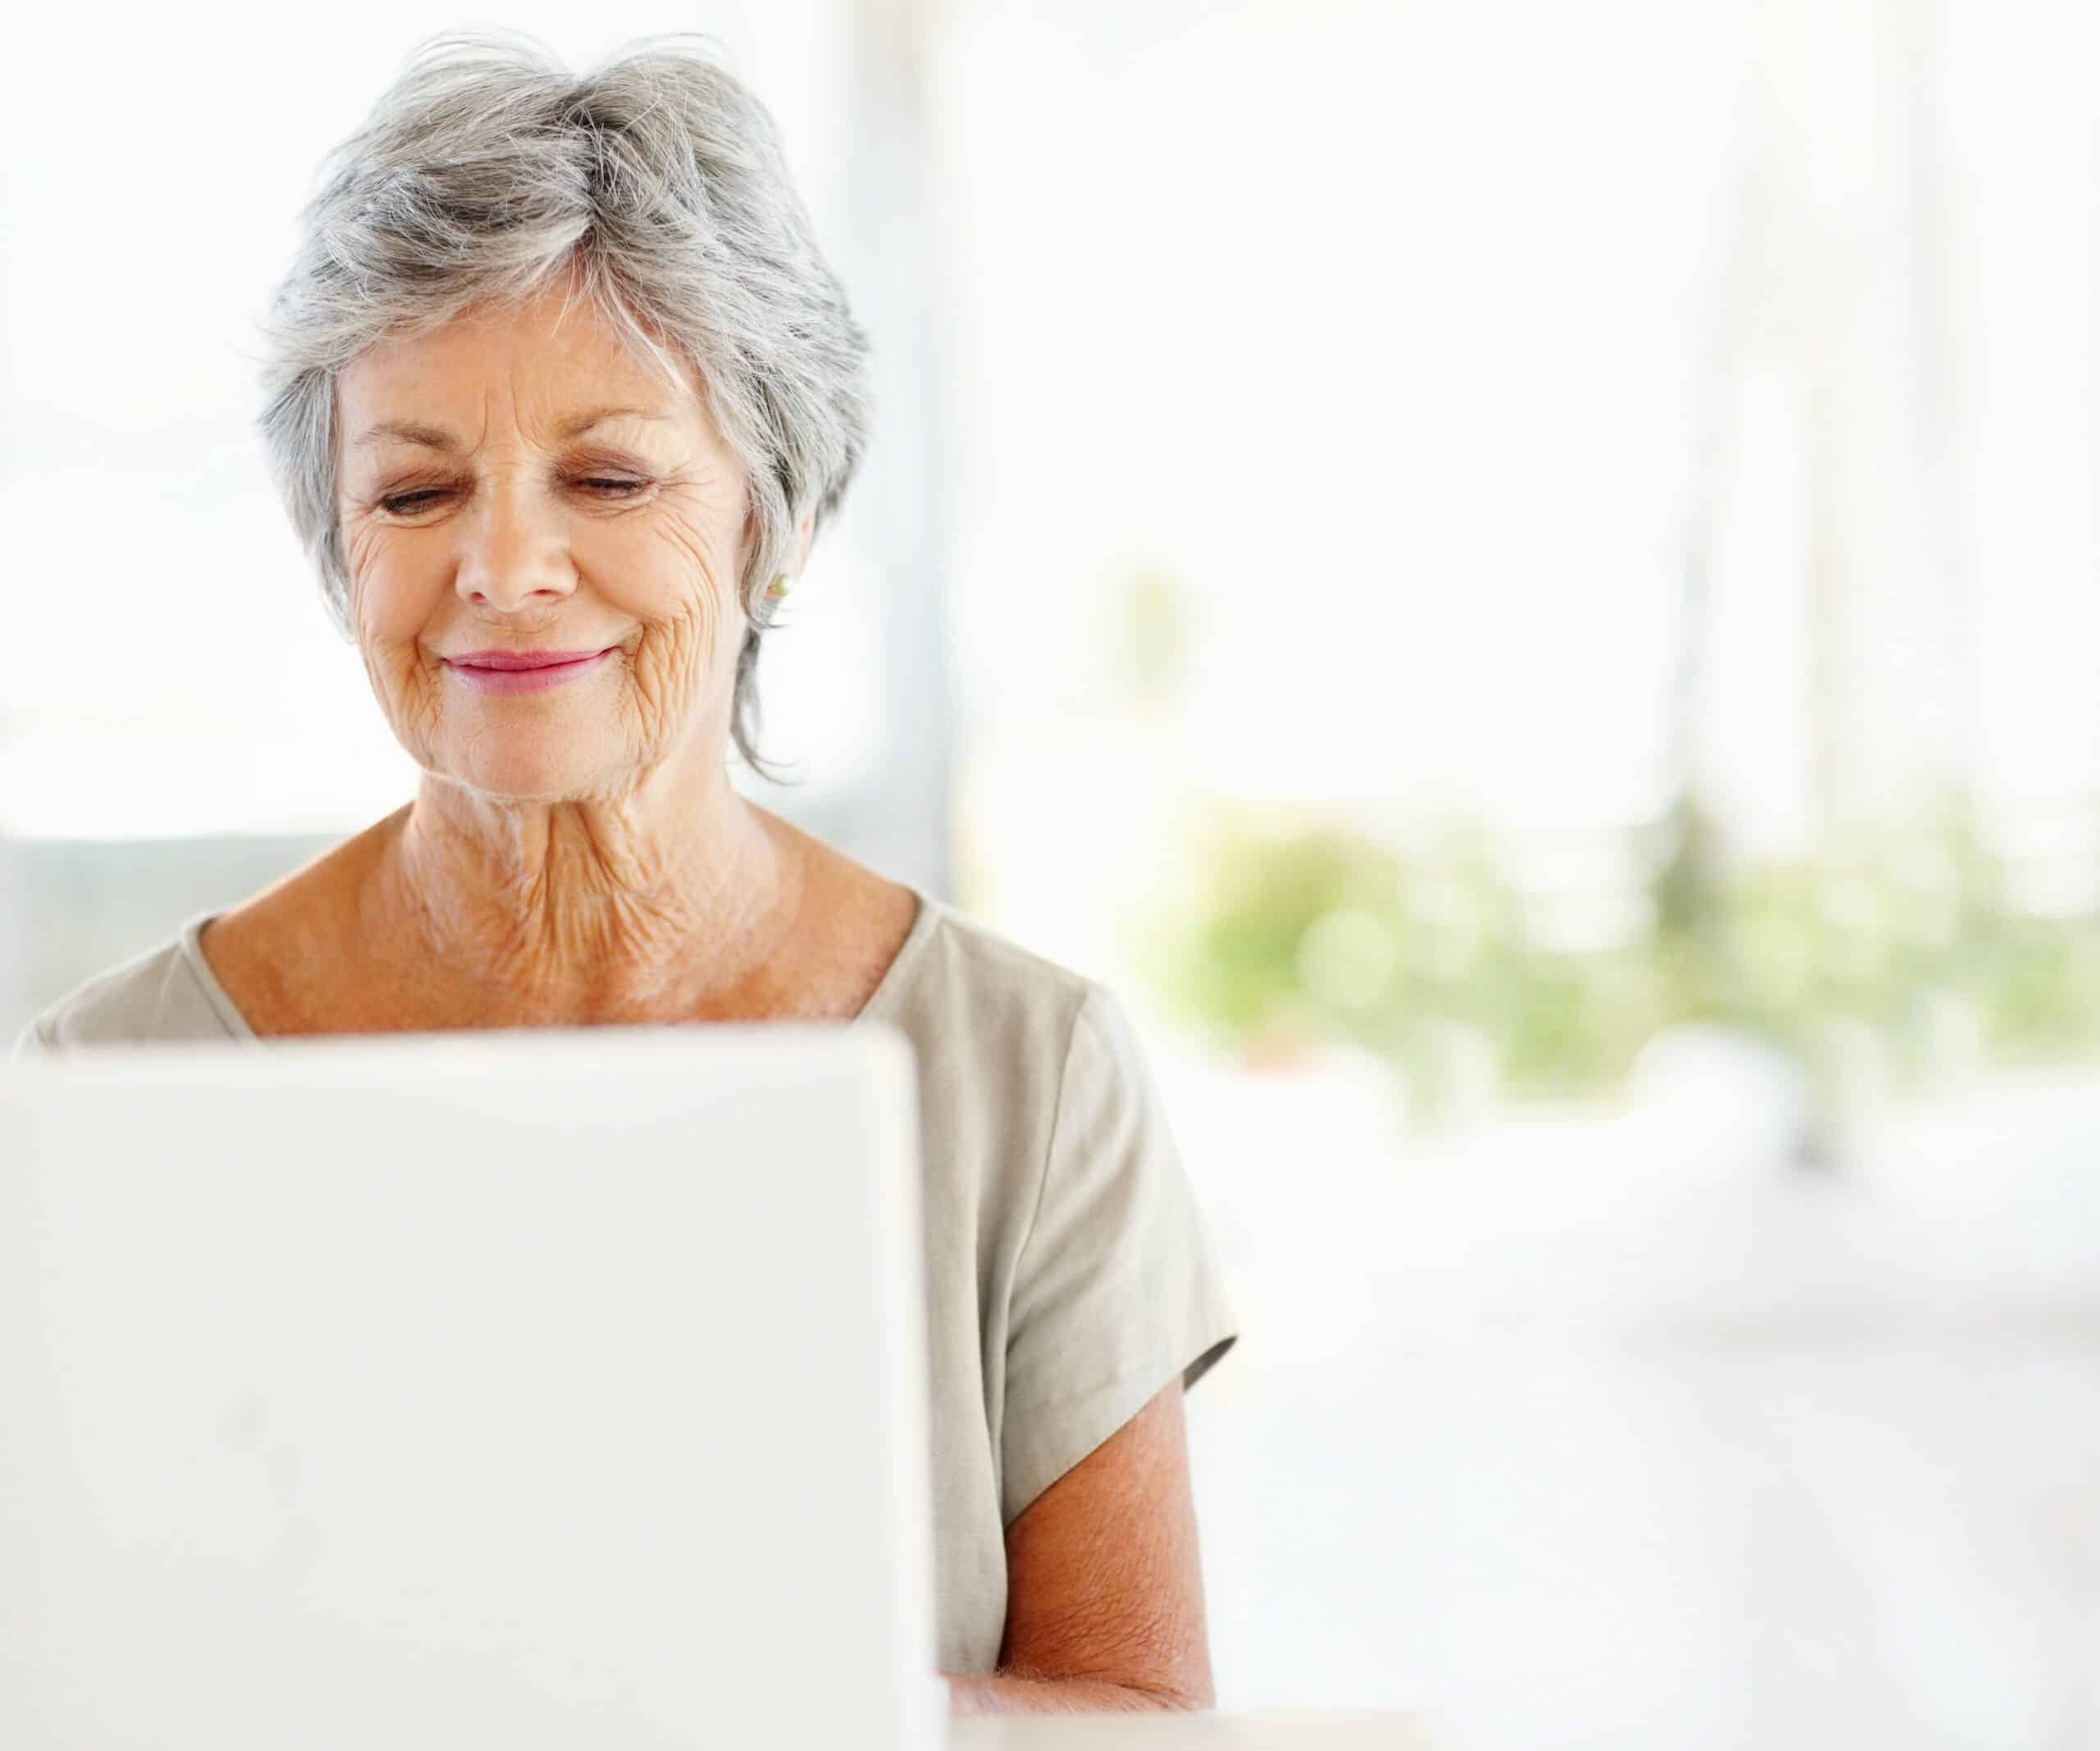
column 516, row 484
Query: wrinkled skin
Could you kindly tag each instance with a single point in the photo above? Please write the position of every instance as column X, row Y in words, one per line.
column 630, row 535
column 576, row 854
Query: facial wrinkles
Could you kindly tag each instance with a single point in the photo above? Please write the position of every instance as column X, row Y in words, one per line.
column 390, row 662
column 597, row 900
column 655, row 574
column 596, row 551
column 681, row 652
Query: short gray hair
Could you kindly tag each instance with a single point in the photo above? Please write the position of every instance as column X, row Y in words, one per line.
column 485, row 171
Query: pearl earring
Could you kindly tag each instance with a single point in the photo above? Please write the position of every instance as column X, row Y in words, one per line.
column 778, row 587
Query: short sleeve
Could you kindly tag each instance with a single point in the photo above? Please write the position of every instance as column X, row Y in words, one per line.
column 1118, row 1289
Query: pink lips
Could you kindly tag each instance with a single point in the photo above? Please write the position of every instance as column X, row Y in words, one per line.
column 522, row 671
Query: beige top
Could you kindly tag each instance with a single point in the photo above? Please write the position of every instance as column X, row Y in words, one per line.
column 1069, row 1272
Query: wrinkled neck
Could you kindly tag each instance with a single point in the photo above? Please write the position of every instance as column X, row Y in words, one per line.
column 649, row 905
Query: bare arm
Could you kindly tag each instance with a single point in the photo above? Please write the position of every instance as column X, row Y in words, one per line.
column 1105, row 1588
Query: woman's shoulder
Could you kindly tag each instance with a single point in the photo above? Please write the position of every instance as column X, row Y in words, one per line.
column 1014, row 1047
column 970, row 986
column 163, row 994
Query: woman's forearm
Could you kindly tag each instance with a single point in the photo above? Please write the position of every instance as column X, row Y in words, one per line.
column 1015, row 1694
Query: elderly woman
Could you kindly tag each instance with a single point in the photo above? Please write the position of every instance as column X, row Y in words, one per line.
column 559, row 391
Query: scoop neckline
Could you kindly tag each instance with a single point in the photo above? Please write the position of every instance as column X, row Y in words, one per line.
column 190, row 944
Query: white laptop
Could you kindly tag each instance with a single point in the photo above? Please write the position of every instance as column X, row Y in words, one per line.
column 520, row 1390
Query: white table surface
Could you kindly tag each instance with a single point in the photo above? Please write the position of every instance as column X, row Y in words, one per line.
column 1262, row 1730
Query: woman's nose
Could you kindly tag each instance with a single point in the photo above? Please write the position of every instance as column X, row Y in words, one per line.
column 515, row 555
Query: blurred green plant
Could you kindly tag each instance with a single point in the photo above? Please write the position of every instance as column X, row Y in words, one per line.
column 1301, row 929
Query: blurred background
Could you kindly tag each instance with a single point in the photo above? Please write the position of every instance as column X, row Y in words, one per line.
column 1518, row 578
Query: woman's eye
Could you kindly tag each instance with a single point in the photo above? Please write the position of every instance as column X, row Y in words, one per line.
column 423, row 498
column 402, row 503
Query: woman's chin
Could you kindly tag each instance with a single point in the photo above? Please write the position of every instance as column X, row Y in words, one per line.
column 517, row 776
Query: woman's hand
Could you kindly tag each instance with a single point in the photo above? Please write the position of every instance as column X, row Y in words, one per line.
column 1104, row 1585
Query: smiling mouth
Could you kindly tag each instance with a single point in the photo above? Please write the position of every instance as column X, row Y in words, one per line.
column 523, row 671
column 517, row 659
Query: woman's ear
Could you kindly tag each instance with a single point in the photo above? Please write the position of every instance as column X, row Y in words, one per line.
column 804, row 532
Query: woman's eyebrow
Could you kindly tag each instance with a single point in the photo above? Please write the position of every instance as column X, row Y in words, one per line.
column 408, row 431
column 437, row 438
column 577, row 424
